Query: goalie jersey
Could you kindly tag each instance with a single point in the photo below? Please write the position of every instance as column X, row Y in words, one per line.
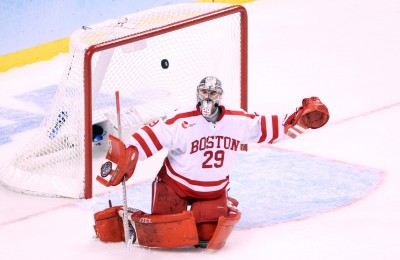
column 201, row 154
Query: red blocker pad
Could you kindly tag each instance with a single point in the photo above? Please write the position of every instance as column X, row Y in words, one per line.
column 166, row 231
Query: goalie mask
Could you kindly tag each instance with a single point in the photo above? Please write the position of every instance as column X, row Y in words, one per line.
column 209, row 95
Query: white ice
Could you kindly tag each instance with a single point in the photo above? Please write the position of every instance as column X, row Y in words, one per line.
column 347, row 53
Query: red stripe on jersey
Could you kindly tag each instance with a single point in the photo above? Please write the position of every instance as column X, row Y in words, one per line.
column 193, row 182
column 263, row 130
column 235, row 113
column 153, row 137
column 275, row 129
column 143, row 144
column 182, row 115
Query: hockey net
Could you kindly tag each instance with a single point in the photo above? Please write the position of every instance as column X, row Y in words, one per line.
column 155, row 59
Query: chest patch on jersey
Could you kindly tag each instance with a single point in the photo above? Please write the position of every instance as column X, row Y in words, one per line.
column 185, row 124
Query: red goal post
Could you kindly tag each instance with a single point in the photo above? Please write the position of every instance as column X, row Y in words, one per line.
column 155, row 59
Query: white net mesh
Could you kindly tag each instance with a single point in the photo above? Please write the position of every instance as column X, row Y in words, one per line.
column 154, row 75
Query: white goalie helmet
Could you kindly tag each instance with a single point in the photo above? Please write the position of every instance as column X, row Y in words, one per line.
column 209, row 95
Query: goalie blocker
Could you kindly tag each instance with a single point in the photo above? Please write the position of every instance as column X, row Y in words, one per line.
column 124, row 157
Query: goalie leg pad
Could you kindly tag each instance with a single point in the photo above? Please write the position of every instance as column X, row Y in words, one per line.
column 208, row 215
column 223, row 230
column 108, row 225
column 210, row 210
column 166, row 231
column 206, row 230
column 180, row 230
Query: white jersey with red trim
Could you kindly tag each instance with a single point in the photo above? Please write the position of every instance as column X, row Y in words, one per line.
column 201, row 154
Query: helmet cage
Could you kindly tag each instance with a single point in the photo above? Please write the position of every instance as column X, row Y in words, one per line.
column 209, row 89
column 209, row 95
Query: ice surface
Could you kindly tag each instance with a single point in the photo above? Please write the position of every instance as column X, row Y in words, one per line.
column 332, row 193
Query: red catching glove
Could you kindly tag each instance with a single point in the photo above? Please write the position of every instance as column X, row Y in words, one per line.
column 312, row 114
column 126, row 159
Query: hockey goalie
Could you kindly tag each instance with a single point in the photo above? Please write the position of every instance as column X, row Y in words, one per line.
column 190, row 203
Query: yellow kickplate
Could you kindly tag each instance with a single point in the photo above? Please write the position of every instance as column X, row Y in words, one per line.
column 34, row 54
column 49, row 50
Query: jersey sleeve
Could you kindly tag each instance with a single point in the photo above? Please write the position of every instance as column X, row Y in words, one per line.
column 150, row 139
column 265, row 129
column 158, row 135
